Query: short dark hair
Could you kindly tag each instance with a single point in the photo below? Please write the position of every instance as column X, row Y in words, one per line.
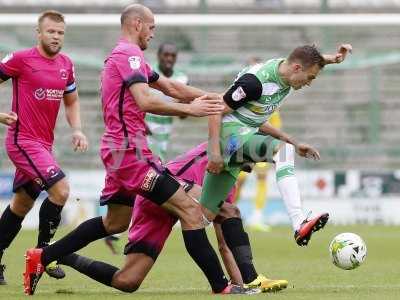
column 308, row 56
column 166, row 44
column 53, row 15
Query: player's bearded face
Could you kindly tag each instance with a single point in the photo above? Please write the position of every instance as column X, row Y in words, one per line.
column 51, row 36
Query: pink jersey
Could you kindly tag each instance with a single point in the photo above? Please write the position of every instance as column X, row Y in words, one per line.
column 124, row 121
column 192, row 166
column 39, row 84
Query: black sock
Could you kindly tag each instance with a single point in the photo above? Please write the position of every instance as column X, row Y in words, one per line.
column 10, row 225
column 201, row 251
column 49, row 219
column 81, row 236
column 238, row 242
column 97, row 270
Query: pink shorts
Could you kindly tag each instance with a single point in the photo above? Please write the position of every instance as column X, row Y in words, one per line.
column 36, row 167
column 150, row 228
column 130, row 172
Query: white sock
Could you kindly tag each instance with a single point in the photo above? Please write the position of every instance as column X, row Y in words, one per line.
column 288, row 185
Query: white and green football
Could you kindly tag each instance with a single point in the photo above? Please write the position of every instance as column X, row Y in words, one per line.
column 348, row 251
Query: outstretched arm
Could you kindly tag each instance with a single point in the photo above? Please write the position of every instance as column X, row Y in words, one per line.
column 302, row 149
column 177, row 90
column 149, row 102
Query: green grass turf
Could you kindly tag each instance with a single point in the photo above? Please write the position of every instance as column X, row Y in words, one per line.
column 310, row 273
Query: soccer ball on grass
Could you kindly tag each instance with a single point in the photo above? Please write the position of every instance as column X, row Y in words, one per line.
column 348, row 251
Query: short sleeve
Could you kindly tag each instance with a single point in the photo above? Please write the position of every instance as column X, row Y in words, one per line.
column 246, row 88
column 132, row 67
column 153, row 75
column 10, row 66
column 71, row 84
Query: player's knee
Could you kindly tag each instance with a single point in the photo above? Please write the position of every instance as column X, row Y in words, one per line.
column 230, row 211
column 127, row 284
column 115, row 226
column 191, row 214
column 60, row 195
column 21, row 208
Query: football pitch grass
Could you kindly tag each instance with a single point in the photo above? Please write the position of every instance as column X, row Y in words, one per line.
column 310, row 273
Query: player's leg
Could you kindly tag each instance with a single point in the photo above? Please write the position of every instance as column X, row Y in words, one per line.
column 227, row 257
column 288, row 186
column 238, row 242
column 194, row 234
column 10, row 222
column 265, row 148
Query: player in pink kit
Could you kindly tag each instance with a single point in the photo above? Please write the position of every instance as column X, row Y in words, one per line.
column 42, row 77
column 131, row 168
column 151, row 226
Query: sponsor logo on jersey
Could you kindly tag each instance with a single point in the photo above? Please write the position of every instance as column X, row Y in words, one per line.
column 48, row 94
column 134, row 62
column 7, row 58
column 40, row 94
column 238, row 94
column 149, row 181
column 63, row 74
column 270, row 88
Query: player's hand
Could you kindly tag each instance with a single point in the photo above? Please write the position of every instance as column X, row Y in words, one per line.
column 340, row 56
column 215, row 163
column 205, row 106
column 8, row 119
column 342, row 52
column 307, row 151
column 79, row 141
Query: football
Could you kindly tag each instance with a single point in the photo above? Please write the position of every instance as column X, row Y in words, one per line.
column 348, row 251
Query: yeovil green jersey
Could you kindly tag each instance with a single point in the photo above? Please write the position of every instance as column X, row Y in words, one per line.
column 263, row 99
column 256, row 93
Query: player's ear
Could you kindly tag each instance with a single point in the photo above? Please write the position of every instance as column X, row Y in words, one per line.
column 296, row 67
column 138, row 24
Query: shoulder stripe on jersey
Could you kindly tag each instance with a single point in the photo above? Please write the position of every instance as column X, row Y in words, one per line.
column 135, row 78
column 190, row 163
column 4, row 76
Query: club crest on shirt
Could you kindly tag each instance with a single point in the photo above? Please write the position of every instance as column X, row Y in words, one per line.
column 238, row 94
column 134, row 62
column 63, row 74
column 7, row 58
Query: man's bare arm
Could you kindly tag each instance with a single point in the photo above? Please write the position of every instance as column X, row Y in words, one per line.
column 149, row 102
column 73, row 116
column 302, row 149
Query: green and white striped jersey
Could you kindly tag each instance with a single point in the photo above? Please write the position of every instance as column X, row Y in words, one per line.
column 161, row 126
column 257, row 92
